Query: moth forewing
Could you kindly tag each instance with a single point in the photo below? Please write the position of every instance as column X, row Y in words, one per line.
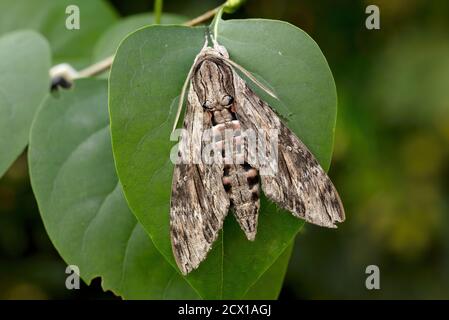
column 300, row 184
column 199, row 202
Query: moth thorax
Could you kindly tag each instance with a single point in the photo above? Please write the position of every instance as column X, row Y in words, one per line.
column 228, row 139
column 222, row 116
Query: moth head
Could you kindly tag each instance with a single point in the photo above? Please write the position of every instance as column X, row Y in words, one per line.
column 213, row 84
column 217, row 50
column 221, row 50
column 225, row 102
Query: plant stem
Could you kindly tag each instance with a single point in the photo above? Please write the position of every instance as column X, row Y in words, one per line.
column 158, row 4
column 205, row 16
column 217, row 19
column 96, row 68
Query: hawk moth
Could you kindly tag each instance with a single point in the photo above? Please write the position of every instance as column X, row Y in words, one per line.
column 203, row 192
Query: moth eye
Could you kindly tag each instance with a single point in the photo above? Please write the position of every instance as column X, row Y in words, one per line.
column 227, row 100
column 207, row 104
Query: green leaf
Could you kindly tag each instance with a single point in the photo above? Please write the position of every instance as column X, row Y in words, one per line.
column 107, row 45
column 146, row 79
column 81, row 201
column 24, row 82
column 269, row 284
column 49, row 18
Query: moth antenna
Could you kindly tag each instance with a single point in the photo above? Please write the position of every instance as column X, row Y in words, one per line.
column 181, row 98
column 251, row 77
column 207, row 34
column 218, row 47
column 214, row 39
column 184, row 87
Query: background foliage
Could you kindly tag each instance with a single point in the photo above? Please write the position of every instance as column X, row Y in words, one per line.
column 390, row 161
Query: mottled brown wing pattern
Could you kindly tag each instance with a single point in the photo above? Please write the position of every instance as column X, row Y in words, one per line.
column 203, row 192
column 199, row 202
column 300, row 185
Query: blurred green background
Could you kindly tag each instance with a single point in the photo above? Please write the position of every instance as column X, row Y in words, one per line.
column 390, row 161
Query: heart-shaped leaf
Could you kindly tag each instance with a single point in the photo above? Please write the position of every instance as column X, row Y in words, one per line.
column 24, row 82
column 146, row 79
column 81, row 200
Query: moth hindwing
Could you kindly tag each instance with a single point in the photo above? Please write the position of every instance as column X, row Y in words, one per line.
column 232, row 143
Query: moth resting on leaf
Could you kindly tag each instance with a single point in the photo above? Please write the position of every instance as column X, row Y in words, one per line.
column 203, row 191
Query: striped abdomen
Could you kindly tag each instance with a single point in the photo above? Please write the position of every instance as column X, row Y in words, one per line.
column 240, row 180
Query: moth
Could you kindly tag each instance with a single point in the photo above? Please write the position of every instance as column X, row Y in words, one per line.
column 203, row 192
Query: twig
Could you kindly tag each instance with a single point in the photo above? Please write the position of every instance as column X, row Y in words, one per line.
column 106, row 63
column 204, row 17
column 96, row 68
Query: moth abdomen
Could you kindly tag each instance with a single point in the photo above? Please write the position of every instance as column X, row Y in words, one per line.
column 242, row 186
column 240, row 179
